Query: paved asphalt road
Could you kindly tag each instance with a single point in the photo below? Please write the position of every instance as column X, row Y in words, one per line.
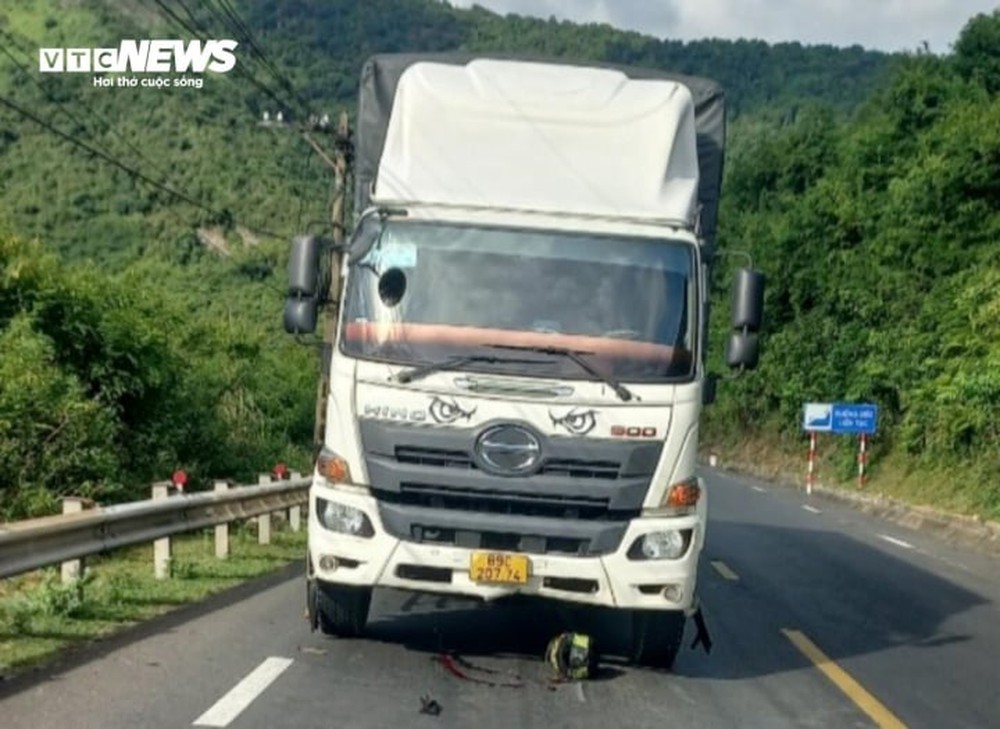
column 907, row 628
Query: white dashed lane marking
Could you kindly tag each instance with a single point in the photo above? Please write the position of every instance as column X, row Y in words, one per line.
column 723, row 569
column 243, row 694
column 897, row 542
column 811, row 509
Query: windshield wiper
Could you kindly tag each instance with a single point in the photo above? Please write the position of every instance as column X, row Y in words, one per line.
column 620, row 390
column 454, row 363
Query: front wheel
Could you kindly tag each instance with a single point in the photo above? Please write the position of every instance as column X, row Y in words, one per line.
column 656, row 637
column 340, row 610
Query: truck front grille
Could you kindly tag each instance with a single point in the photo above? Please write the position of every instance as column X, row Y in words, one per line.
column 494, row 502
column 443, row 458
column 578, row 501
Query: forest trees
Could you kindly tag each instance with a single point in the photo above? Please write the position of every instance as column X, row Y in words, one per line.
column 882, row 240
column 130, row 348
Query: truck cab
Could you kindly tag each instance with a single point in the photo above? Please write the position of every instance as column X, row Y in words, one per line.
column 518, row 362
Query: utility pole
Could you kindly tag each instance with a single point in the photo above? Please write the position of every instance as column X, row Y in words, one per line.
column 340, row 161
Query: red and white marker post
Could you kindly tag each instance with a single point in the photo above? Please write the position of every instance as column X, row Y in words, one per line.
column 862, row 459
column 811, row 468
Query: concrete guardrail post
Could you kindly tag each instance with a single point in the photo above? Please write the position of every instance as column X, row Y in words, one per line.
column 162, row 551
column 222, row 530
column 72, row 571
column 264, row 520
column 295, row 512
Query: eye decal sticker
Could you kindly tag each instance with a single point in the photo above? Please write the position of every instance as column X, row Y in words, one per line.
column 577, row 422
column 448, row 411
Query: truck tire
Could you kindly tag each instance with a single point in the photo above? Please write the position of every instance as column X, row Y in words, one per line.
column 340, row 610
column 656, row 637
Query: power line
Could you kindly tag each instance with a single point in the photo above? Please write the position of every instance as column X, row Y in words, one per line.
column 201, row 33
column 236, row 22
column 123, row 167
column 72, row 117
column 13, row 39
column 231, row 19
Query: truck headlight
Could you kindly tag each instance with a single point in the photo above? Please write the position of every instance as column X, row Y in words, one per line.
column 668, row 544
column 343, row 519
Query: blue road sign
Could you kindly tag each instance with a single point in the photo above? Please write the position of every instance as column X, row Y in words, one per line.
column 854, row 418
column 840, row 418
column 818, row 416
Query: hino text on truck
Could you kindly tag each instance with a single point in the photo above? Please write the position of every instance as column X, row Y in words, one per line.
column 517, row 337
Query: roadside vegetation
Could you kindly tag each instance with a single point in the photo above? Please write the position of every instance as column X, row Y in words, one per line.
column 881, row 240
column 140, row 332
column 40, row 617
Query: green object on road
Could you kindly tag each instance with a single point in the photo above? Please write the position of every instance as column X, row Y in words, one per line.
column 573, row 656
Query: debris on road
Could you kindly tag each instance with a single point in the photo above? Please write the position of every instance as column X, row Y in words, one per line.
column 573, row 656
column 461, row 668
column 312, row 650
column 702, row 635
column 429, row 706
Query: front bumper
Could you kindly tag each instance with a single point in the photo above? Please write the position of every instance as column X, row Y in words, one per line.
column 611, row 580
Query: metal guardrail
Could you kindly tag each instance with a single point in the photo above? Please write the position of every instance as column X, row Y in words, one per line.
column 35, row 543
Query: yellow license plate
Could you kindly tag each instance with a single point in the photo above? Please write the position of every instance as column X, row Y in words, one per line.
column 499, row 568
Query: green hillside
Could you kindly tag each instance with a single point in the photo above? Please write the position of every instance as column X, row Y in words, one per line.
column 208, row 144
column 140, row 332
column 882, row 241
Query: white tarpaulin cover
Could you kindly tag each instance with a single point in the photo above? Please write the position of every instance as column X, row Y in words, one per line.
column 528, row 136
column 626, row 184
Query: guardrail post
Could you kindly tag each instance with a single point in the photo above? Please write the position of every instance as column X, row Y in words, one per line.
column 295, row 512
column 73, row 569
column 221, row 530
column 264, row 520
column 161, row 547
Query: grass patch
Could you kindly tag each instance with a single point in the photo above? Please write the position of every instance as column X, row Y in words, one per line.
column 40, row 617
column 966, row 488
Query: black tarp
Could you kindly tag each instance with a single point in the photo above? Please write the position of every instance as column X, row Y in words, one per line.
column 380, row 76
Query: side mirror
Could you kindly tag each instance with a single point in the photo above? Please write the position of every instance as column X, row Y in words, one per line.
column 302, row 304
column 742, row 351
column 301, row 315
column 748, row 300
column 303, row 266
column 743, row 347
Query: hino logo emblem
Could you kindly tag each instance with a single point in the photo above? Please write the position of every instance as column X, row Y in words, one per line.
column 509, row 449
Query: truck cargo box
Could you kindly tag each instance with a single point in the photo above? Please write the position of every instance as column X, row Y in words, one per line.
column 631, row 133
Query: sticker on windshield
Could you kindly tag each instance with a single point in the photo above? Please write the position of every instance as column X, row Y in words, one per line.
column 397, row 255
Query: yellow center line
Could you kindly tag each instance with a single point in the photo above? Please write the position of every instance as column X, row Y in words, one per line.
column 875, row 709
column 723, row 569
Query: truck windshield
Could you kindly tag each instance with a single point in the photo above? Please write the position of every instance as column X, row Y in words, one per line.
column 426, row 292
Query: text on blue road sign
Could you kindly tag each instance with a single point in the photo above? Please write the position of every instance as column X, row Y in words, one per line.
column 840, row 418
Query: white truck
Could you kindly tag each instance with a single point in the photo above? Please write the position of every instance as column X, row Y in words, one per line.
column 518, row 359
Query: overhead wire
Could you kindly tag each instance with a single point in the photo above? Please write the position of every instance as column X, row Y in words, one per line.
column 138, row 174
column 237, row 23
column 106, row 154
column 232, row 21
column 91, row 111
column 202, row 34
column 198, row 29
